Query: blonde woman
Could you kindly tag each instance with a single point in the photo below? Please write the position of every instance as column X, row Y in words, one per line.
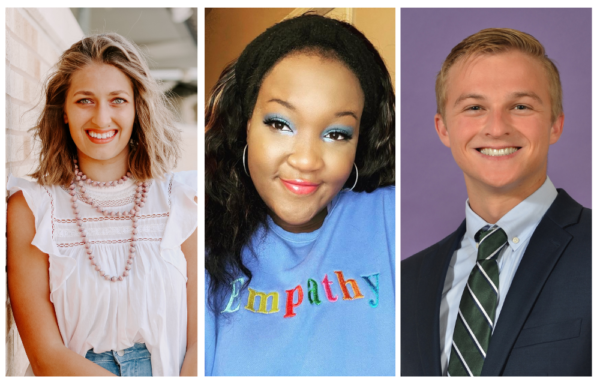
column 102, row 247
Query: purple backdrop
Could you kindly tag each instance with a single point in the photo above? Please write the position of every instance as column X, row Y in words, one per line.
column 433, row 189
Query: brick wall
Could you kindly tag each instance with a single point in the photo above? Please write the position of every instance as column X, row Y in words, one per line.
column 35, row 38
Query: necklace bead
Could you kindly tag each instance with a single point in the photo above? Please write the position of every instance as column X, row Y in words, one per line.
column 133, row 214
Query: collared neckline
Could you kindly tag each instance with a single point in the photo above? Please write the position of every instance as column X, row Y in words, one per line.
column 520, row 222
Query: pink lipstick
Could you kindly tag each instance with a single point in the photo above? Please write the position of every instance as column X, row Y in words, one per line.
column 300, row 187
column 98, row 136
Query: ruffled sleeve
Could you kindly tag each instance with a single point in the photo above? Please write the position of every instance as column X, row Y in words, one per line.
column 183, row 218
column 31, row 191
column 39, row 200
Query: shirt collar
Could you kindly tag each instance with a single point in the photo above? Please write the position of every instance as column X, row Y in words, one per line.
column 520, row 222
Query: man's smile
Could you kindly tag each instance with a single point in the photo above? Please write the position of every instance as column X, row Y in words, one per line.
column 495, row 152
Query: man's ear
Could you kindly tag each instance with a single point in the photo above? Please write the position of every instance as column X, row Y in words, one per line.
column 442, row 131
column 557, row 128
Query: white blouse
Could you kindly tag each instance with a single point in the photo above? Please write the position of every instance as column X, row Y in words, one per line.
column 149, row 306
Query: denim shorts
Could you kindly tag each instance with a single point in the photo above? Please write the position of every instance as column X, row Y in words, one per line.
column 133, row 361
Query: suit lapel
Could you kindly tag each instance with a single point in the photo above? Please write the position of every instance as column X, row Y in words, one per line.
column 547, row 244
column 434, row 270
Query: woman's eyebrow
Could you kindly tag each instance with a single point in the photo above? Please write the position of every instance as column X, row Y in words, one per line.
column 119, row 92
column 346, row 113
column 291, row 107
column 86, row 93
column 90, row 93
column 284, row 103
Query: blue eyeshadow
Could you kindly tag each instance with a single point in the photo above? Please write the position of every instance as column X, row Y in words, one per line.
column 346, row 130
column 271, row 117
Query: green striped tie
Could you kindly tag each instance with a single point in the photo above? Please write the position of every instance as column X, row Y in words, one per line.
column 477, row 309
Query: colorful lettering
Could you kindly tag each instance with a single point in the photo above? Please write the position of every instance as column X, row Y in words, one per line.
column 374, row 288
column 313, row 292
column 290, row 305
column 235, row 293
column 262, row 301
column 326, row 285
column 353, row 285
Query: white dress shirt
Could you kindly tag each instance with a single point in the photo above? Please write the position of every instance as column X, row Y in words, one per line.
column 519, row 224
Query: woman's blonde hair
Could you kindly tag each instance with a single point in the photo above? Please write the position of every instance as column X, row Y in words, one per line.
column 155, row 141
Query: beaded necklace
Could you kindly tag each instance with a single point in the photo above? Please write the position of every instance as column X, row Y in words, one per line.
column 133, row 214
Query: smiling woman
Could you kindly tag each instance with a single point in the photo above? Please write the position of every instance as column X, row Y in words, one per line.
column 299, row 186
column 102, row 247
column 302, row 95
column 89, row 114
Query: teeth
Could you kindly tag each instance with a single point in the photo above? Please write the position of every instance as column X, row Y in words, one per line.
column 498, row 152
column 101, row 135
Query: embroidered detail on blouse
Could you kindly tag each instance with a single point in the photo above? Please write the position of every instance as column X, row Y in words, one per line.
column 170, row 186
column 86, row 219
column 109, row 203
column 116, row 230
column 116, row 196
column 68, row 245
column 66, row 232
column 51, row 209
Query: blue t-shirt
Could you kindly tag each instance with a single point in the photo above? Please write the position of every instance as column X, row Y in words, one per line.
column 319, row 303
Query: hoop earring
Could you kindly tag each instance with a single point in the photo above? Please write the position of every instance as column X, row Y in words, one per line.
column 355, row 181
column 244, row 160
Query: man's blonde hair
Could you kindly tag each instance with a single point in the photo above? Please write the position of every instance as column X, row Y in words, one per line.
column 497, row 40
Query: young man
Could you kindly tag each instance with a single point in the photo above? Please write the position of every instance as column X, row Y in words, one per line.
column 508, row 293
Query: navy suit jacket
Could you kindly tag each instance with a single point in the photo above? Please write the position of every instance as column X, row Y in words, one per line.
column 545, row 327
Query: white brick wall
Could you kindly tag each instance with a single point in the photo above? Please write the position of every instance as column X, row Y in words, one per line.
column 35, row 38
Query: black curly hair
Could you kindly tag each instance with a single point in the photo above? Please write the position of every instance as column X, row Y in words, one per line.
column 234, row 210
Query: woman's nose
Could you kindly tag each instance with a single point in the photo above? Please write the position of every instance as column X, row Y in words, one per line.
column 306, row 156
column 102, row 115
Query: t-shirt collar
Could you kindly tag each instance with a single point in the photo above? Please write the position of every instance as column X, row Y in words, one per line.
column 304, row 237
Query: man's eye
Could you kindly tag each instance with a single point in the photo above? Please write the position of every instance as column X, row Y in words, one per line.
column 521, row 107
column 474, row 108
